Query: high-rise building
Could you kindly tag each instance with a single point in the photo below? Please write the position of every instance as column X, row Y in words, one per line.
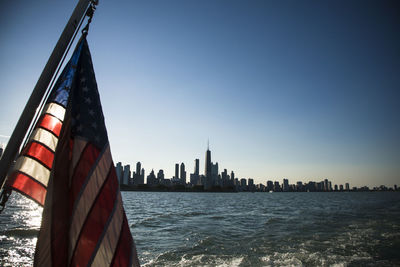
column 207, row 170
column 277, row 187
column 336, row 187
column 341, row 187
column 177, row 171
column 329, row 186
column 270, row 186
column 183, row 174
column 119, row 170
column 160, row 175
column 196, row 166
column 243, row 182
column 142, row 177
column 326, row 185
column 127, row 174
column 347, row 187
column 285, row 185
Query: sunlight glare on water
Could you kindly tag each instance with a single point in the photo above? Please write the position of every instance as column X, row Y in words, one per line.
column 19, row 227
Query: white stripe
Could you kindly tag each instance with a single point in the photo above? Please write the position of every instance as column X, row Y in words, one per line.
column 33, row 169
column 88, row 196
column 45, row 137
column 106, row 250
column 55, row 110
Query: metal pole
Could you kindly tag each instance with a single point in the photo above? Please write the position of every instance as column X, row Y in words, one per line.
column 40, row 88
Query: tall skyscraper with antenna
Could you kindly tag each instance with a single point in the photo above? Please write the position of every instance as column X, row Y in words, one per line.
column 207, row 171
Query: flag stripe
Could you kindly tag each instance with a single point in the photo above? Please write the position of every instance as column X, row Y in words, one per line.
column 84, row 201
column 95, row 221
column 125, row 247
column 83, row 169
column 28, row 186
column 51, row 123
column 78, row 146
column 45, row 137
column 107, row 245
column 56, row 110
column 33, row 168
column 40, row 152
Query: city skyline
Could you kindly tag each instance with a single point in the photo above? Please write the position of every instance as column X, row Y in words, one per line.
column 282, row 89
column 208, row 178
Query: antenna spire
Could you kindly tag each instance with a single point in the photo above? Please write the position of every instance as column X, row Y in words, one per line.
column 208, row 144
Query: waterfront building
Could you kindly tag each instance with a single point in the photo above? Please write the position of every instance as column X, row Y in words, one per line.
column 329, row 186
column 207, row 170
column 243, row 182
column 160, row 175
column 176, row 171
column 126, row 175
column 214, row 174
column 151, row 178
column 336, row 187
column 270, row 186
column 141, row 177
column 232, row 183
column 326, row 185
column 183, row 174
column 341, row 187
column 196, row 167
column 299, row 186
column 277, row 187
column 119, row 170
column 347, row 187
column 285, row 185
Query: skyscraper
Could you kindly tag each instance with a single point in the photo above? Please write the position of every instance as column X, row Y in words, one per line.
column 285, row 185
column 183, row 174
column 196, row 166
column 177, row 170
column 119, row 171
column 207, row 171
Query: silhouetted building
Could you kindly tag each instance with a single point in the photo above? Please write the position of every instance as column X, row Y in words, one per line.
column 160, row 176
column 270, row 186
column 176, row 171
column 336, row 187
column 183, row 174
column 243, row 182
column 196, row 166
column 207, row 170
column 277, row 187
column 347, row 187
column 120, row 172
column 341, row 187
column 299, row 186
column 151, row 178
column 127, row 174
column 285, row 185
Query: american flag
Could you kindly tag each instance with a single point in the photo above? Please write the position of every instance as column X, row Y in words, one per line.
column 69, row 157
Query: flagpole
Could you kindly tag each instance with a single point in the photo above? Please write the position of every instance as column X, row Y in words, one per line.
column 39, row 90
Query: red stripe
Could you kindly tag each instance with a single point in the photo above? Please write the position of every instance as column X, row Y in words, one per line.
column 86, row 162
column 39, row 152
column 51, row 123
column 124, row 250
column 28, row 186
column 95, row 221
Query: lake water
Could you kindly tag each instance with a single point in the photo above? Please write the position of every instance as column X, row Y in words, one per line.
column 238, row 229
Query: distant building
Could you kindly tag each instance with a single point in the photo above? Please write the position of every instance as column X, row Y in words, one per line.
column 126, row 175
column 183, row 174
column 270, row 186
column 336, row 187
column 207, row 170
column 120, row 172
column 285, row 185
column 196, row 166
column 341, row 187
column 151, row 178
column 299, row 186
column 160, row 175
column 347, row 187
column 243, row 182
column 176, row 171
column 277, row 187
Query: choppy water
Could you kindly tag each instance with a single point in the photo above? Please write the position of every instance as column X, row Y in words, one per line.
column 239, row 229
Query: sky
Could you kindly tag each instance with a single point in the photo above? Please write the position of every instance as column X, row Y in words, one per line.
column 304, row 90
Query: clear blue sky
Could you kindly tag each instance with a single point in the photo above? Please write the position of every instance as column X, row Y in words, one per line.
column 306, row 90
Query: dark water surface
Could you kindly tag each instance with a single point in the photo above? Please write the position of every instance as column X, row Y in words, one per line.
column 239, row 229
